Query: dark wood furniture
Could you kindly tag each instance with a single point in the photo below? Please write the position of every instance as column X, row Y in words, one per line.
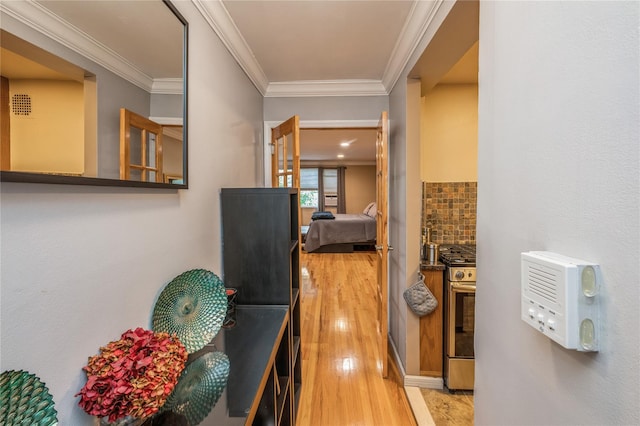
column 256, row 391
column 261, row 258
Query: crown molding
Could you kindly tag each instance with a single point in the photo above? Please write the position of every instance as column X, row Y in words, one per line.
column 419, row 19
column 220, row 21
column 325, row 88
column 168, row 121
column 168, row 86
column 42, row 20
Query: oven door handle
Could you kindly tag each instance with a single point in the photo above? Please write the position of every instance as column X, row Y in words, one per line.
column 457, row 287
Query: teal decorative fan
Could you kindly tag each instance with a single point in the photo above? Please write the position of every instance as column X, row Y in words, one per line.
column 199, row 387
column 192, row 306
column 25, row 400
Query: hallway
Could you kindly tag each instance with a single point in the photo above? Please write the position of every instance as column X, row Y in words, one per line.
column 342, row 384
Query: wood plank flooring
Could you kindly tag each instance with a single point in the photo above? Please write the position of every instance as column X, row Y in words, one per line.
column 342, row 383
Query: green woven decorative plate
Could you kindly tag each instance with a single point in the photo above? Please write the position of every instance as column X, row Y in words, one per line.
column 192, row 306
column 199, row 387
column 25, row 400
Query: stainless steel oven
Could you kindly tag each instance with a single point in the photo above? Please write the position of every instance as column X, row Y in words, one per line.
column 459, row 316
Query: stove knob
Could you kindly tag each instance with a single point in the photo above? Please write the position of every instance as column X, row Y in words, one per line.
column 459, row 275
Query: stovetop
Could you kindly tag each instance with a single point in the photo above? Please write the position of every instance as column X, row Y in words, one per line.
column 458, row 254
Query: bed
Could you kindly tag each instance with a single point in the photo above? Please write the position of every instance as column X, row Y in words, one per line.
column 342, row 234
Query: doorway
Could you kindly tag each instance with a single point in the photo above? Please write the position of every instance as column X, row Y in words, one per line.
column 309, row 126
column 445, row 123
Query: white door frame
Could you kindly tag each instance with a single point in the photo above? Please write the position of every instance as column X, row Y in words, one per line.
column 305, row 124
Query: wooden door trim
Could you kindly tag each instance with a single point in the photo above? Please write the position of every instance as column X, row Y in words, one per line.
column 290, row 127
column 382, row 237
column 307, row 124
column 130, row 119
column 5, row 131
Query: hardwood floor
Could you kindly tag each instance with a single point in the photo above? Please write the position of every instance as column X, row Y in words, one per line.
column 342, row 381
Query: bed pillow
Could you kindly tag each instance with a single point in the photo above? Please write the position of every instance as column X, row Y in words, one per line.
column 373, row 210
column 322, row 215
column 366, row 209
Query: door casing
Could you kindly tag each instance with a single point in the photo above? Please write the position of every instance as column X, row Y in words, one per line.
column 304, row 124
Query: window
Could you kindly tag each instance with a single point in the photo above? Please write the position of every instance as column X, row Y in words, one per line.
column 310, row 195
column 309, row 188
column 281, row 182
column 330, row 181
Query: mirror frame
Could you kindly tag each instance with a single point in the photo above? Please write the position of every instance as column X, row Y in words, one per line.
column 28, row 177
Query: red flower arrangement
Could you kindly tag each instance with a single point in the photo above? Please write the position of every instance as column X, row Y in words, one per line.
column 132, row 376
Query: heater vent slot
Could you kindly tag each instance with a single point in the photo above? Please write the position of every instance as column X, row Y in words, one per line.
column 21, row 104
column 543, row 282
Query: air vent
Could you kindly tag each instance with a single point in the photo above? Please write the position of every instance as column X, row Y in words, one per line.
column 21, row 104
column 330, row 200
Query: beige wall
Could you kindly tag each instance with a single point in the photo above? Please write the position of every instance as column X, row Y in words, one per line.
column 449, row 134
column 172, row 156
column 360, row 187
column 51, row 138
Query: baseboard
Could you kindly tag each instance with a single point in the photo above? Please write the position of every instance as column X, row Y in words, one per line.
column 396, row 356
column 424, row 382
column 411, row 389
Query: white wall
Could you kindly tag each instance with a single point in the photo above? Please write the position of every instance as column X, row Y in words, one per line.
column 558, row 170
column 326, row 108
column 405, row 201
column 80, row 265
column 404, row 216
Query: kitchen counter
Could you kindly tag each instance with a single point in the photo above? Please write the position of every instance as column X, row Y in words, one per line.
column 426, row 266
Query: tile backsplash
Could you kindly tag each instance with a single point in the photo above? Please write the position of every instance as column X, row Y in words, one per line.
column 450, row 209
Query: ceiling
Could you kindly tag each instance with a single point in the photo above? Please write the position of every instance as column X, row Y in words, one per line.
column 324, row 145
column 305, row 48
column 325, row 48
column 159, row 27
column 315, row 41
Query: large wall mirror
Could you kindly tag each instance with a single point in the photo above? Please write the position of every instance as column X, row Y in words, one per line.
column 93, row 93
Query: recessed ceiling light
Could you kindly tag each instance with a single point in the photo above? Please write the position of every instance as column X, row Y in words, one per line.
column 340, row 155
column 345, row 144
